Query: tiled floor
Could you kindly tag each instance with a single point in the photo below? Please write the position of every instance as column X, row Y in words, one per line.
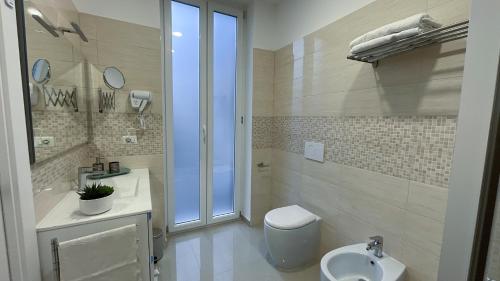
column 229, row 252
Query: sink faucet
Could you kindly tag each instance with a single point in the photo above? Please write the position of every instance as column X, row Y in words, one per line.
column 376, row 244
column 83, row 173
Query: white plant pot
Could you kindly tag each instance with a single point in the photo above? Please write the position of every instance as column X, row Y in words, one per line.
column 97, row 206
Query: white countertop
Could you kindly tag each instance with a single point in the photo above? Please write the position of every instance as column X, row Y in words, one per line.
column 132, row 197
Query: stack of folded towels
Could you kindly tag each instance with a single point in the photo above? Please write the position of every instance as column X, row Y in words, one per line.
column 404, row 28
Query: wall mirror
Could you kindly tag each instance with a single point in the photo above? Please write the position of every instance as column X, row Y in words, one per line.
column 57, row 111
column 113, row 78
column 41, row 71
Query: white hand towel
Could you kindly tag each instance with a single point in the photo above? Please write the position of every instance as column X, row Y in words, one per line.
column 421, row 20
column 109, row 255
column 385, row 39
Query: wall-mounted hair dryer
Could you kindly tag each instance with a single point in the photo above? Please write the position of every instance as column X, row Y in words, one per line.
column 139, row 100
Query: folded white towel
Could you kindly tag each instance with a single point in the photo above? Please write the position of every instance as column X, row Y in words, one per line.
column 109, row 255
column 421, row 20
column 385, row 39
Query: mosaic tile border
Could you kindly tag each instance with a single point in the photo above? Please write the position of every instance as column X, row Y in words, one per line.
column 59, row 172
column 69, row 129
column 109, row 128
column 418, row 148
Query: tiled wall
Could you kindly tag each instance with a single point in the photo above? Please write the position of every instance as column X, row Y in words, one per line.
column 263, row 89
column 136, row 51
column 389, row 133
column 52, row 180
column 417, row 148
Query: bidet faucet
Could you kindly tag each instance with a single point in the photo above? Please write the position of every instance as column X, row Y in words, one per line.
column 376, row 244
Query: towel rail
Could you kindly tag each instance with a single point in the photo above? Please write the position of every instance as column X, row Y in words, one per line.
column 55, row 259
column 440, row 35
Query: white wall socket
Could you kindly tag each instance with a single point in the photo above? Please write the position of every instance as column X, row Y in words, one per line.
column 129, row 139
column 44, row 141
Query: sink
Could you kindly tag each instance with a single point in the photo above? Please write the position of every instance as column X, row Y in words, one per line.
column 355, row 263
column 126, row 186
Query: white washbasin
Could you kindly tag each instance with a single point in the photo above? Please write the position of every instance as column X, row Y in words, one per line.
column 125, row 186
column 355, row 263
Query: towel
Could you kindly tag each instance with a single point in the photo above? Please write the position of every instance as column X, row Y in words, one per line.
column 385, row 39
column 106, row 256
column 421, row 20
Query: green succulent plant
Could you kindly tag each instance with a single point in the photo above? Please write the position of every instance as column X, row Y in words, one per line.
column 95, row 191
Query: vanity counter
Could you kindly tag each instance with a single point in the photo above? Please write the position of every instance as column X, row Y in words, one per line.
column 132, row 197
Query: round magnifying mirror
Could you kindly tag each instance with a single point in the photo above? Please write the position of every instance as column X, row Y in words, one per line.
column 41, row 71
column 113, row 78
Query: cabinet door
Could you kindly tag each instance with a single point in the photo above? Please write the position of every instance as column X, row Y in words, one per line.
column 144, row 234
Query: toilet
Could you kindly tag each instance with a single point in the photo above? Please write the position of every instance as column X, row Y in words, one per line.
column 292, row 236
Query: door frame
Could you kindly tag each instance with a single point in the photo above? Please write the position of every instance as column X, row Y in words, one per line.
column 16, row 191
column 471, row 144
column 205, row 124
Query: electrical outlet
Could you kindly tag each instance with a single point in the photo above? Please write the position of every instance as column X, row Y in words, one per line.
column 44, row 141
column 129, row 139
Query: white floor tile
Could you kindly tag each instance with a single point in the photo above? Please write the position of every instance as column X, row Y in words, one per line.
column 228, row 252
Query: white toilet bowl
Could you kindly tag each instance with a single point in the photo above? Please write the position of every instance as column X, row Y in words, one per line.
column 292, row 236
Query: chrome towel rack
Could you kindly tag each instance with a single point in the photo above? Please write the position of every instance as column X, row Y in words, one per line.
column 54, row 243
column 440, row 35
column 107, row 100
column 60, row 97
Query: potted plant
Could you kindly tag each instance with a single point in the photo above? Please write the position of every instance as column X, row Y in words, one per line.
column 96, row 199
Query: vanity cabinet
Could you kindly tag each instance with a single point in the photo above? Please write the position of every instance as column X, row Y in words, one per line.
column 144, row 235
column 131, row 205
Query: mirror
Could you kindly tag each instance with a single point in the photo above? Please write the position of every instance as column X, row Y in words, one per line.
column 113, row 78
column 55, row 125
column 41, row 71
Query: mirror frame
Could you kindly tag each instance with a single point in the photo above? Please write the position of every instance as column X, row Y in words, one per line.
column 23, row 55
column 46, row 79
column 106, row 80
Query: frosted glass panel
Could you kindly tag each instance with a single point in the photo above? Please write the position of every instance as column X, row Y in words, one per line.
column 186, row 110
column 224, row 95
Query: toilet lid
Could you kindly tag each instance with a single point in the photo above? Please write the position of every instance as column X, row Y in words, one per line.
column 289, row 217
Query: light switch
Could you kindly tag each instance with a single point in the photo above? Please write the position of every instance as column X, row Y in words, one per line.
column 314, row 151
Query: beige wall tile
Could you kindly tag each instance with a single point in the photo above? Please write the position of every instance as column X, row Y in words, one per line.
column 88, row 24
column 124, row 33
column 427, row 200
column 421, row 264
column 424, row 232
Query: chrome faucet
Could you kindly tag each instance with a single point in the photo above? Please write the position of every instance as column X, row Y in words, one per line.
column 376, row 244
column 83, row 173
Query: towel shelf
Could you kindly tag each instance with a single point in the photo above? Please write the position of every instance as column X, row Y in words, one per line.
column 436, row 36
